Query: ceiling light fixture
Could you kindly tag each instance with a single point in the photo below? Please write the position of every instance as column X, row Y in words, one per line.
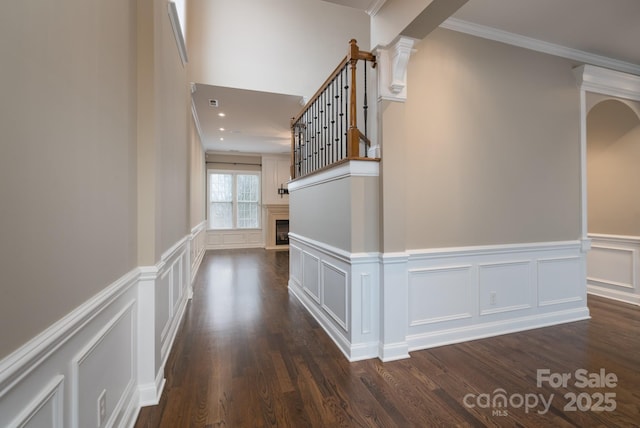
column 221, row 129
column 221, row 114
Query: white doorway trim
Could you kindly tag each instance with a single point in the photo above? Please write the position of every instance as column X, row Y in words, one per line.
column 606, row 82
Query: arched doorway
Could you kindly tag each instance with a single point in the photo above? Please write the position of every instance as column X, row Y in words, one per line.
column 613, row 209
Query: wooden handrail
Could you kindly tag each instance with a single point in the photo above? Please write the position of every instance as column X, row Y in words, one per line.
column 315, row 128
column 354, row 54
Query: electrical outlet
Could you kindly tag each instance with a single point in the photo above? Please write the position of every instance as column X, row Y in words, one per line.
column 102, row 408
column 492, row 298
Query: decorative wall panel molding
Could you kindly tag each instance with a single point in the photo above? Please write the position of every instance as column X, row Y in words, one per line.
column 400, row 302
column 45, row 409
column 114, row 346
column 335, row 299
column 484, row 291
column 440, row 294
column 237, row 238
column 613, row 267
column 340, row 290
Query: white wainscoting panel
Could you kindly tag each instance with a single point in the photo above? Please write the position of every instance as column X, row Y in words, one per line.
column 197, row 247
column 459, row 294
column 228, row 239
column 505, row 287
column 173, row 288
column 295, row 264
column 112, row 344
column 311, row 276
column 163, row 305
column 560, row 281
column 613, row 267
column 45, row 409
column 94, row 346
column 340, row 291
column 385, row 305
column 440, row 294
column 335, row 299
column 106, row 364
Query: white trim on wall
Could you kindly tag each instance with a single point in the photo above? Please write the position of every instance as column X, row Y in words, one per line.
column 354, row 168
column 198, row 247
column 460, row 294
column 538, row 45
column 607, row 249
column 406, row 301
column 613, row 267
column 343, row 304
column 234, row 238
column 118, row 341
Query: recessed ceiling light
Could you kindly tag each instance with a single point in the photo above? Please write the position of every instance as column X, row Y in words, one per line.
column 221, row 139
column 221, row 129
column 221, row 114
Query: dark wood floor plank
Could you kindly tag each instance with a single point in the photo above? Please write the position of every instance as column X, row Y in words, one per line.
column 249, row 355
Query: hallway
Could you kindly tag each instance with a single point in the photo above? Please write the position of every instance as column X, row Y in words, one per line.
column 249, row 355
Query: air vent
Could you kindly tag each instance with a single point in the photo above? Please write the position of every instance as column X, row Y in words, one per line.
column 213, row 103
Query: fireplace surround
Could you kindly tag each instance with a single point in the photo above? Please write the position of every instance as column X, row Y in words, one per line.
column 277, row 227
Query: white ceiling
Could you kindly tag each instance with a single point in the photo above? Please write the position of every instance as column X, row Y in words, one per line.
column 609, row 28
column 258, row 122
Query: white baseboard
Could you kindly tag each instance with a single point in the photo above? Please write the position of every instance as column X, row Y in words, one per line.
column 338, row 338
column 620, row 296
column 55, row 379
column 491, row 329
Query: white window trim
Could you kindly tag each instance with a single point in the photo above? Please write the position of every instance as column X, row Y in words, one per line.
column 234, row 204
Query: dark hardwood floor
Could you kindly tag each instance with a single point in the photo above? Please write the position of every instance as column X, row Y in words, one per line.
column 249, row 355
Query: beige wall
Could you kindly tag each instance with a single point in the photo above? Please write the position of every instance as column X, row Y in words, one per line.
column 280, row 46
column 613, row 156
column 490, row 134
column 322, row 213
column 173, row 111
column 67, row 158
column 94, row 154
column 163, row 134
column 197, row 193
column 341, row 213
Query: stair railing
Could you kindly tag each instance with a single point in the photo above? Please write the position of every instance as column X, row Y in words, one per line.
column 325, row 132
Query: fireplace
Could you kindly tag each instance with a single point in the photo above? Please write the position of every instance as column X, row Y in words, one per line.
column 277, row 225
column 282, row 232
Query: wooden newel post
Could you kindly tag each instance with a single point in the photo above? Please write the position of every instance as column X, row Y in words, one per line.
column 353, row 134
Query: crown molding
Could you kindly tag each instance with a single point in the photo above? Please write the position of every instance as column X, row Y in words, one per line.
column 538, row 45
column 608, row 82
column 177, row 31
column 375, row 6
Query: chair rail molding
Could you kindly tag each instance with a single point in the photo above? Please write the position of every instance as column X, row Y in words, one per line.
column 115, row 344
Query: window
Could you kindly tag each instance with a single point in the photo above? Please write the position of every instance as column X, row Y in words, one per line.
column 234, row 200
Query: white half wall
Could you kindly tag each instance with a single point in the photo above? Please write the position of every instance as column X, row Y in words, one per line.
column 340, row 290
column 114, row 345
column 613, row 267
column 386, row 305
